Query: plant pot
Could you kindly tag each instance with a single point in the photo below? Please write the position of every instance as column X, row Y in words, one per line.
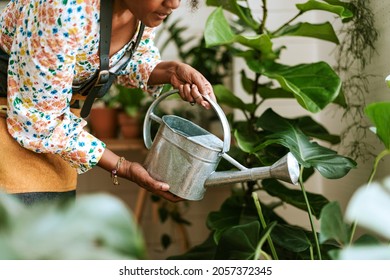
column 104, row 122
column 130, row 127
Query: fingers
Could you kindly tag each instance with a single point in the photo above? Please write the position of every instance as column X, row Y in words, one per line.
column 162, row 189
column 192, row 94
column 141, row 177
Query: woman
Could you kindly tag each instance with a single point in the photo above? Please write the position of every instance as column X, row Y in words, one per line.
column 48, row 46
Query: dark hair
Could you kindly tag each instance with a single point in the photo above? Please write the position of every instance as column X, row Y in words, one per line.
column 193, row 4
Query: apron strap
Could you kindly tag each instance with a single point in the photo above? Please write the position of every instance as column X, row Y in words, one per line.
column 104, row 78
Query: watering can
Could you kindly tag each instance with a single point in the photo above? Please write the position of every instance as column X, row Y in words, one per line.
column 185, row 155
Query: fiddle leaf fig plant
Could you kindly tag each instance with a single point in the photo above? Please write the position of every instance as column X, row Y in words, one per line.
column 263, row 136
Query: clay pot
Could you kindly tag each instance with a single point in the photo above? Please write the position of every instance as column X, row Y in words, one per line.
column 104, row 122
column 130, row 127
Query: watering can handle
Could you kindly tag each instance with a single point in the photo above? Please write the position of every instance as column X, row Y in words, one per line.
column 151, row 116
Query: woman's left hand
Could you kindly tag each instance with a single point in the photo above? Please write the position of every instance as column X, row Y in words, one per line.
column 192, row 85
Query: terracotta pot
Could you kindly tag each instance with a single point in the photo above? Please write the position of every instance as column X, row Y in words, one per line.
column 104, row 122
column 130, row 127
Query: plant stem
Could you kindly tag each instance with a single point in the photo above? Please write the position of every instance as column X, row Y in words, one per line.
column 310, row 214
column 264, row 224
column 265, row 15
column 377, row 160
column 373, row 172
column 287, row 23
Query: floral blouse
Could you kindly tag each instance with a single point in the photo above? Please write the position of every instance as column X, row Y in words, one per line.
column 51, row 45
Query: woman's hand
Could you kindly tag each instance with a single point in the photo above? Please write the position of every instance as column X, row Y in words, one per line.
column 192, row 85
column 136, row 173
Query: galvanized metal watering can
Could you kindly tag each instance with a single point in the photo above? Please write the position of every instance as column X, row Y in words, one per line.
column 185, row 156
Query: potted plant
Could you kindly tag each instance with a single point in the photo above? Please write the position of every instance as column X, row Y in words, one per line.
column 246, row 227
column 131, row 102
column 103, row 118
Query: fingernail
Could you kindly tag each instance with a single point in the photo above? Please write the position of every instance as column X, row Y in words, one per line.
column 164, row 187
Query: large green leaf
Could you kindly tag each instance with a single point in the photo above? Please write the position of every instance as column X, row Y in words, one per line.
column 290, row 237
column 332, row 224
column 309, row 154
column 246, row 138
column 295, row 197
column 314, row 85
column 313, row 129
column 379, row 114
column 239, row 242
column 228, row 216
column 218, row 32
column 244, row 13
column 323, row 31
column 335, row 6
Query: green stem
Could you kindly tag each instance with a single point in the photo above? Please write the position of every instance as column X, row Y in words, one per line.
column 264, row 224
column 287, row 23
column 310, row 214
column 372, row 175
column 265, row 15
column 375, row 167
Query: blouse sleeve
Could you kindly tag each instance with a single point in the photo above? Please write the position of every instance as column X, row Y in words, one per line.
column 144, row 60
column 41, row 71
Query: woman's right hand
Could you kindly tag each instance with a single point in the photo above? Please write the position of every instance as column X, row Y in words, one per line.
column 136, row 173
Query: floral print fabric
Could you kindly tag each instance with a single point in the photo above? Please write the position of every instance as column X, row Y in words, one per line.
column 51, row 45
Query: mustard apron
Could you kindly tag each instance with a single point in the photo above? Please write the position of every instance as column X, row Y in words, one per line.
column 30, row 176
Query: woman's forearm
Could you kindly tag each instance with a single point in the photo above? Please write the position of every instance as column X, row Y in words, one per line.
column 163, row 73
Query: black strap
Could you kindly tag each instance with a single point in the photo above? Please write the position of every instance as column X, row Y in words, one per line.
column 104, row 79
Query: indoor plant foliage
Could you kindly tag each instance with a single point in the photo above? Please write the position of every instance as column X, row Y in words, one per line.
column 131, row 105
column 368, row 207
column 245, row 227
column 96, row 226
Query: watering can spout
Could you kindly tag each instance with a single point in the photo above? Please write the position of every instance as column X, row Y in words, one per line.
column 285, row 169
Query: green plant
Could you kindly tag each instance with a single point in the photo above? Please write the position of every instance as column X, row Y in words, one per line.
column 129, row 100
column 368, row 207
column 96, row 226
column 246, row 227
column 215, row 64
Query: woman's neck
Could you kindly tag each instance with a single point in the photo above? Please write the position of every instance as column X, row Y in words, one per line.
column 124, row 26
